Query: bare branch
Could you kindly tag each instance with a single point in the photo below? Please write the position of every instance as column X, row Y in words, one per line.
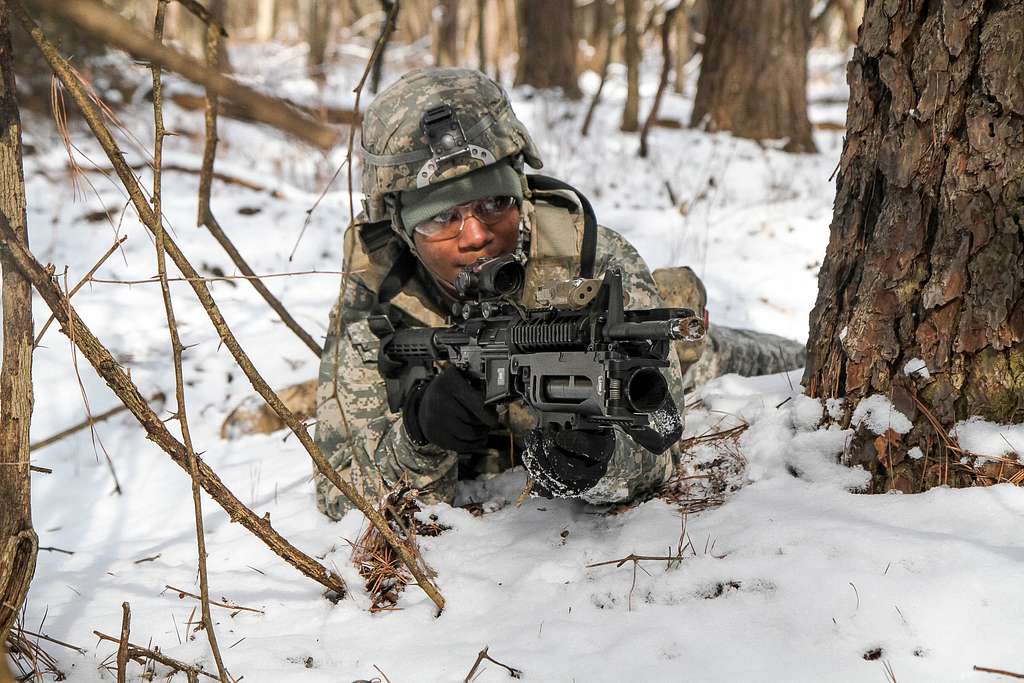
column 109, row 27
column 122, row 647
column 514, row 673
column 126, row 390
column 88, row 422
column 176, row 347
column 182, row 594
column 141, row 654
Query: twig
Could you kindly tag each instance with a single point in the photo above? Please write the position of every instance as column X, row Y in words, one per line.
column 122, row 646
column 79, row 650
column 85, row 278
column 215, row 278
column 206, row 217
column 85, row 400
column 37, row 468
column 514, row 673
column 203, row 15
column 88, row 422
column 126, row 390
column 666, row 54
column 176, row 347
column 140, row 654
column 182, row 594
column 1001, row 672
column 636, row 558
column 54, row 549
column 110, row 28
column 245, row 363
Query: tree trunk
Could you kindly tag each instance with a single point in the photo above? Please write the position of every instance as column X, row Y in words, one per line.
column 753, row 78
column 632, row 56
column 547, row 45
column 682, row 50
column 18, row 542
column 446, row 46
column 926, row 255
column 265, row 27
column 481, row 35
column 318, row 30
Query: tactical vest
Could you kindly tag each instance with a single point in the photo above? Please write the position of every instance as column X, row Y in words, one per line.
column 563, row 238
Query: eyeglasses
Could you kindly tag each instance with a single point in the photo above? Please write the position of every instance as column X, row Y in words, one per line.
column 448, row 224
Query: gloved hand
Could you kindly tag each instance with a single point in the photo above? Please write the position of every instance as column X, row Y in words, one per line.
column 568, row 462
column 449, row 412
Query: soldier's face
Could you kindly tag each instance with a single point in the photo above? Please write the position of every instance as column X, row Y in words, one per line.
column 476, row 240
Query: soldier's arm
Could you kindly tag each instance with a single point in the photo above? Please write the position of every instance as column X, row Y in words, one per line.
column 633, row 469
column 364, row 442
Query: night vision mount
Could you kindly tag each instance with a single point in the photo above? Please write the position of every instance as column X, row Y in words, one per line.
column 447, row 141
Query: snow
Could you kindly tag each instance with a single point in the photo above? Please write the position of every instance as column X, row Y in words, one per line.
column 916, row 366
column 988, row 439
column 877, row 413
column 795, row 577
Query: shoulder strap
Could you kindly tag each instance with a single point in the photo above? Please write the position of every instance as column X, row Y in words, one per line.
column 588, row 253
column 401, row 271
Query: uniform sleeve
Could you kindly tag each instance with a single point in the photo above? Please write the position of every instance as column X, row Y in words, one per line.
column 633, row 470
column 361, row 439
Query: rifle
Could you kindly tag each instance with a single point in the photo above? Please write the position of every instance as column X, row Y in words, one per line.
column 580, row 362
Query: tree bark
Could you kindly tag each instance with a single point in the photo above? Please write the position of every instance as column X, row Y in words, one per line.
column 753, row 78
column 682, row 49
column 318, row 28
column 18, row 542
column 547, row 45
column 632, row 57
column 446, row 45
column 926, row 254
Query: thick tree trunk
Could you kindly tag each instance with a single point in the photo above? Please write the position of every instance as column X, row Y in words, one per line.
column 446, row 45
column 753, row 77
column 18, row 543
column 926, row 255
column 632, row 56
column 547, row 45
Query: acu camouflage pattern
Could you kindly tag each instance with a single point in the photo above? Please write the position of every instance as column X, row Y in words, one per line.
column 391, row 128
column 368, row 445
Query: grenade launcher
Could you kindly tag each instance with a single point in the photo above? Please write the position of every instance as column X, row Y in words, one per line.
column 580, row 362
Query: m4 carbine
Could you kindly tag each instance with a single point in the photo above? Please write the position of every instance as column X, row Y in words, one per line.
column 580, row 362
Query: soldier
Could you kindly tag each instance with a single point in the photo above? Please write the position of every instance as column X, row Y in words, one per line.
column 443, row 158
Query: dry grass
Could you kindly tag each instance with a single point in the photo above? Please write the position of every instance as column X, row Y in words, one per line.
column 32, row 661
column 706, row 484
column 384, row 574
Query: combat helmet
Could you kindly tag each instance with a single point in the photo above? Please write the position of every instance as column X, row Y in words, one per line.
column 432, row 125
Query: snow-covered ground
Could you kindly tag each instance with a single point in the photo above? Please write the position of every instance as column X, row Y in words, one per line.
column 793, row 578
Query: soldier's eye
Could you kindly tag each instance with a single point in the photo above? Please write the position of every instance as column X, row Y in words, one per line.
column 438, row 224
column 493, row 207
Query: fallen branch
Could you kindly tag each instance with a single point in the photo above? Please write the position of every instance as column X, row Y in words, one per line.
column 998, row 671
column 332, row 115
column 514, row 673
column 141, row 654
column 88, row 422
column 146, row 215
column 183, row 594
column 117, row 379
column 108, row 27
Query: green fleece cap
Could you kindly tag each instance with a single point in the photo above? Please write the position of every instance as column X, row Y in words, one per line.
column 495, row 180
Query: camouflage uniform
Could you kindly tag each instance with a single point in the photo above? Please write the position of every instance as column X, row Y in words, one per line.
column 369, row 447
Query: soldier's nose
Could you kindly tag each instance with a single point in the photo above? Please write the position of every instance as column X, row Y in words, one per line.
column 475, row 234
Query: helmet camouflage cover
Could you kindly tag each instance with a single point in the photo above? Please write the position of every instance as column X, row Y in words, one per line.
column 432, row 125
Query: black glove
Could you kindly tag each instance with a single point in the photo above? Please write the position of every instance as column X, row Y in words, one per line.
column 448, row 412
column 568, row 462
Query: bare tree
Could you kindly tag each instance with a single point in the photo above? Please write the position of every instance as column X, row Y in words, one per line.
column 753, row 78
column 18, row 542
column 682, row 48
column 632, row 56
column 446, row 42
column 547, row 45
column 925, row 264
column 318, row 28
